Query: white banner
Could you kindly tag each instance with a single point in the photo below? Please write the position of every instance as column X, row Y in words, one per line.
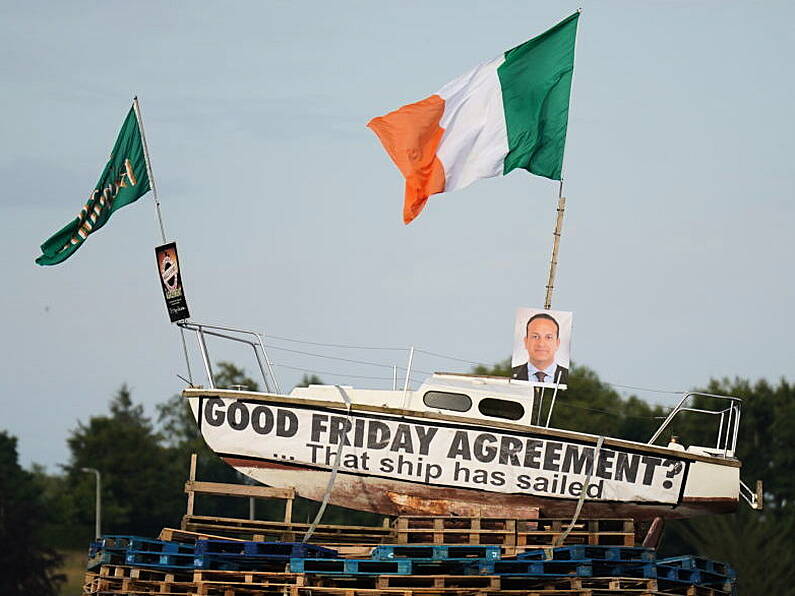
column 438, row 453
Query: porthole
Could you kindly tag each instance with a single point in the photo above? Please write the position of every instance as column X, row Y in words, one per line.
column 457, row 402
column 500, row 408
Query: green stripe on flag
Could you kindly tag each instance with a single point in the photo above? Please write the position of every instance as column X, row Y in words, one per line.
column 536, row 84
column 122, row 182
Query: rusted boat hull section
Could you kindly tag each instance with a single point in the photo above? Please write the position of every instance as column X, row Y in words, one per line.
column 389, row 497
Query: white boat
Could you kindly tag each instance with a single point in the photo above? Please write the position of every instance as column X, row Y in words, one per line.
column 459, row 445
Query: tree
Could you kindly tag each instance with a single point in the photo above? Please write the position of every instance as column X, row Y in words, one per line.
column 141, row 486
column 500, row 369
column 759, row 545
column 182, row 437
column 28, row 566
column 308, row 380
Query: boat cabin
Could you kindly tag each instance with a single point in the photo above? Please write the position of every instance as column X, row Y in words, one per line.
column 466, row 396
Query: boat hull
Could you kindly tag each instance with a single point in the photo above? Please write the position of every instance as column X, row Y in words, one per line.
column 403, row 463
column 391, row 497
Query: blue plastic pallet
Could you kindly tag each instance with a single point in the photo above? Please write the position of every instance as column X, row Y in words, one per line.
column 693, row 562
column 240, row 562
column 159, row 560
column 664, row 572
column 695, row 576
column 596, row 553
column 116, row 541
column 437, row 552
column 106, row 557
column 140, row 543
column 223, row 563
column 540, row 568
column 350, row 566
column 94, row 547
column 273, row 550
column 458, row 566
column 391, row 566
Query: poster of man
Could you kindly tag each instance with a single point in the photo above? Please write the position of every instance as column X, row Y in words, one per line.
column 542, row 346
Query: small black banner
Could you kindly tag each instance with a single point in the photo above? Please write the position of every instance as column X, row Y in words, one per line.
column 171, row 280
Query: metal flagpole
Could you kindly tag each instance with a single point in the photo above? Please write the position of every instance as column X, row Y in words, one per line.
column 553, row 263
column 137, row 108
column 149, row 167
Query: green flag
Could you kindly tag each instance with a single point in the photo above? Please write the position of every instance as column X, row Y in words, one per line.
column 123, row 181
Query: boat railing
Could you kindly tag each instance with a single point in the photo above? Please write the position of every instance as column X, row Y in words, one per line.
column 728, row 419
column 755, row 498
column 244, row 336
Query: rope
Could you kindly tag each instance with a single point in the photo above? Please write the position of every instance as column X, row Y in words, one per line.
column 389, row 366
column 334, row 470
column 345, row 346
column 559, row 540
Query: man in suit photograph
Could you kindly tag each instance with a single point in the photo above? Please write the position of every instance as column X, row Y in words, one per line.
column 541, row 340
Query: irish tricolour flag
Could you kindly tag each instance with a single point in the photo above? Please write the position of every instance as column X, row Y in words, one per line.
column 508, row 113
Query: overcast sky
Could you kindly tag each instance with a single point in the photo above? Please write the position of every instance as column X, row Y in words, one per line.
column 677, row 246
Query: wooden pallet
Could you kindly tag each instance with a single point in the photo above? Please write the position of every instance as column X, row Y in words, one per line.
column 190, row 537
column 619, row 584
column 285, row 532
column 331, row 591
column 259, row 578
column 684, row 590
column 574, row 591
column 126, row 585
column 477, row 582
column 604, row 532
column 514, row 535
column 455, row 530
column 143, row 573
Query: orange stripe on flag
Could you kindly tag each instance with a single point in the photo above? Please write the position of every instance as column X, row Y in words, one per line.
column 411, row 136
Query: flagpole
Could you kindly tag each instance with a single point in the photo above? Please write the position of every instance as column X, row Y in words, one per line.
column 553, row 263
column 137, row 108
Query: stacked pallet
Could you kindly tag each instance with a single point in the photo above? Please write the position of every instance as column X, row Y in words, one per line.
column 514, row 535
column 423, row 557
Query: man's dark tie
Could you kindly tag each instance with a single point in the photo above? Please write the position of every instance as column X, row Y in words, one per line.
column 540, row 376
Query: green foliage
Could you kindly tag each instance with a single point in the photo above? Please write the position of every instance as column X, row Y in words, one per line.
column 230, row 376
column 758, row 546
column 182, row 438
column 28, row 566
column 500, row 369
column 141, row 487
column 308, row 380
column 766, row 443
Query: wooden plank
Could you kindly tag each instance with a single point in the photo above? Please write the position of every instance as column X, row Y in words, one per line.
column 191, row 478
column 237, row 490
column 172, row 534
column 293, row 527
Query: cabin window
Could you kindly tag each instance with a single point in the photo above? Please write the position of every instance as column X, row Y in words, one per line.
column 457, row 402
column 500, row 408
